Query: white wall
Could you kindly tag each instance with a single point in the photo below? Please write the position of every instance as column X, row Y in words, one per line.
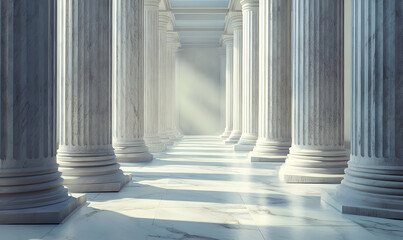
column 199, row 91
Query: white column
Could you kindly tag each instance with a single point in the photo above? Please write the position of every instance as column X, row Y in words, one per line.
column 236, row 23
column 151, row 73
column 250, row 93
column 86, row 156
column 317, row 154
column 274, row 81
column 177, row 133
column 163, row 79
column 31, row 189
column 172, row 49
column 373, row 183
column 128, row 81
column 228, row 42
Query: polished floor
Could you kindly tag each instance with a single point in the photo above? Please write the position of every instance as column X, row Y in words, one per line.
column 201, row 189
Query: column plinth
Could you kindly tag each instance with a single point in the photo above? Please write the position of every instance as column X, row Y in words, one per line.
column 274, row 82
column 151, row 74
column 373, row 183
column 31, row 187
column 250, row 88
column 236, row 22
column 128, row 82
column 228, row 42
column 317, row 154
column 86, row 156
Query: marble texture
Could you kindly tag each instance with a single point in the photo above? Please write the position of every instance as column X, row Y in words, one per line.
column 86, row 156
column 235, row 20
column 228, row 43
column 31, row 187
column 317, row 153
column 250, row 81
column 373, row 181
column 274, row 82
column 201, row 189
column 151, row 75
column 128, row 82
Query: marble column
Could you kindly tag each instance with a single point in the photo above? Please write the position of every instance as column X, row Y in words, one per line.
column 163, row 80
column 317, row 154
column 151, row 73
column 236, row 24
column 228, row 42
column 172, row 49
column 86, row 156
column 373, row 183
column 128, row 82
column 250, row 89
column 31, row 189
column 274, row 82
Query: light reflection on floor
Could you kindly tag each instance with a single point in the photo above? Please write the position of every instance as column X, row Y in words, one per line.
column 201, row 189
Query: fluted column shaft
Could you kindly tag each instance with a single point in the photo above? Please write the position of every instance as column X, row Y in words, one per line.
column 236, row 22
column 128, row 81
column 250, row 89
column 373, row 183
column 163, row 80
column 228, row 41
column 274, row 81
column 29, row 176
column 318, row 153
column 85, row 154
column 173, row 45
column 151, row 74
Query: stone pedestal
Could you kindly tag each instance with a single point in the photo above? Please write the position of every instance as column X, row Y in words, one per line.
column 373, row 183
column 128, row 81
column 151, row 74
column 250, row 94
column 236, row 22
column 31, row 189
column 164, row 110
column 318, row 153
column 86, row 156
column 274, row 82
column 228, row 42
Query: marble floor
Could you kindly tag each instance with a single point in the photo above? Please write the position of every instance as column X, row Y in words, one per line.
column 201, row 189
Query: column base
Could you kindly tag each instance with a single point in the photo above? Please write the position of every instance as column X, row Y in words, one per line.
column 226, row 134
column 51, row 214
column 234, row 137
column 75, row 185
column 132, row 151
column 270, row 151
column 154, row 144
column 369, row 188
column 314, row 166
column 246, row 143
column 347, row 206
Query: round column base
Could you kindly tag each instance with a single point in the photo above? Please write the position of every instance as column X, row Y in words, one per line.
column 234, row 137
column 314, row 166
column 131, row 151
column 370, row 190
column 270, row 151
column 226, row 134
column 246, row 143
column 50, row 214
column 93, row 170
column 155, row 144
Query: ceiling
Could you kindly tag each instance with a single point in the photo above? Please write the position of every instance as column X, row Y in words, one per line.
column 199, row 22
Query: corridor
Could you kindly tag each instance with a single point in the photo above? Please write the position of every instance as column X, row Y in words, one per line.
column 202, row 189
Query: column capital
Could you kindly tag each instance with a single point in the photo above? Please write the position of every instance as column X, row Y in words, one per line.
column 172, row 37
column 152, row 3
column 250, row 5
column 227, row 39
column 164, row 18
column 235, row 19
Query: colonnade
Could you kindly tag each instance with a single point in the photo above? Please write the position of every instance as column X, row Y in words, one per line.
column 290, row 84
column 83, row 86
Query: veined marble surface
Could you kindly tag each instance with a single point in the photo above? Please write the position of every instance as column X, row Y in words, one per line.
column 202, row 189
